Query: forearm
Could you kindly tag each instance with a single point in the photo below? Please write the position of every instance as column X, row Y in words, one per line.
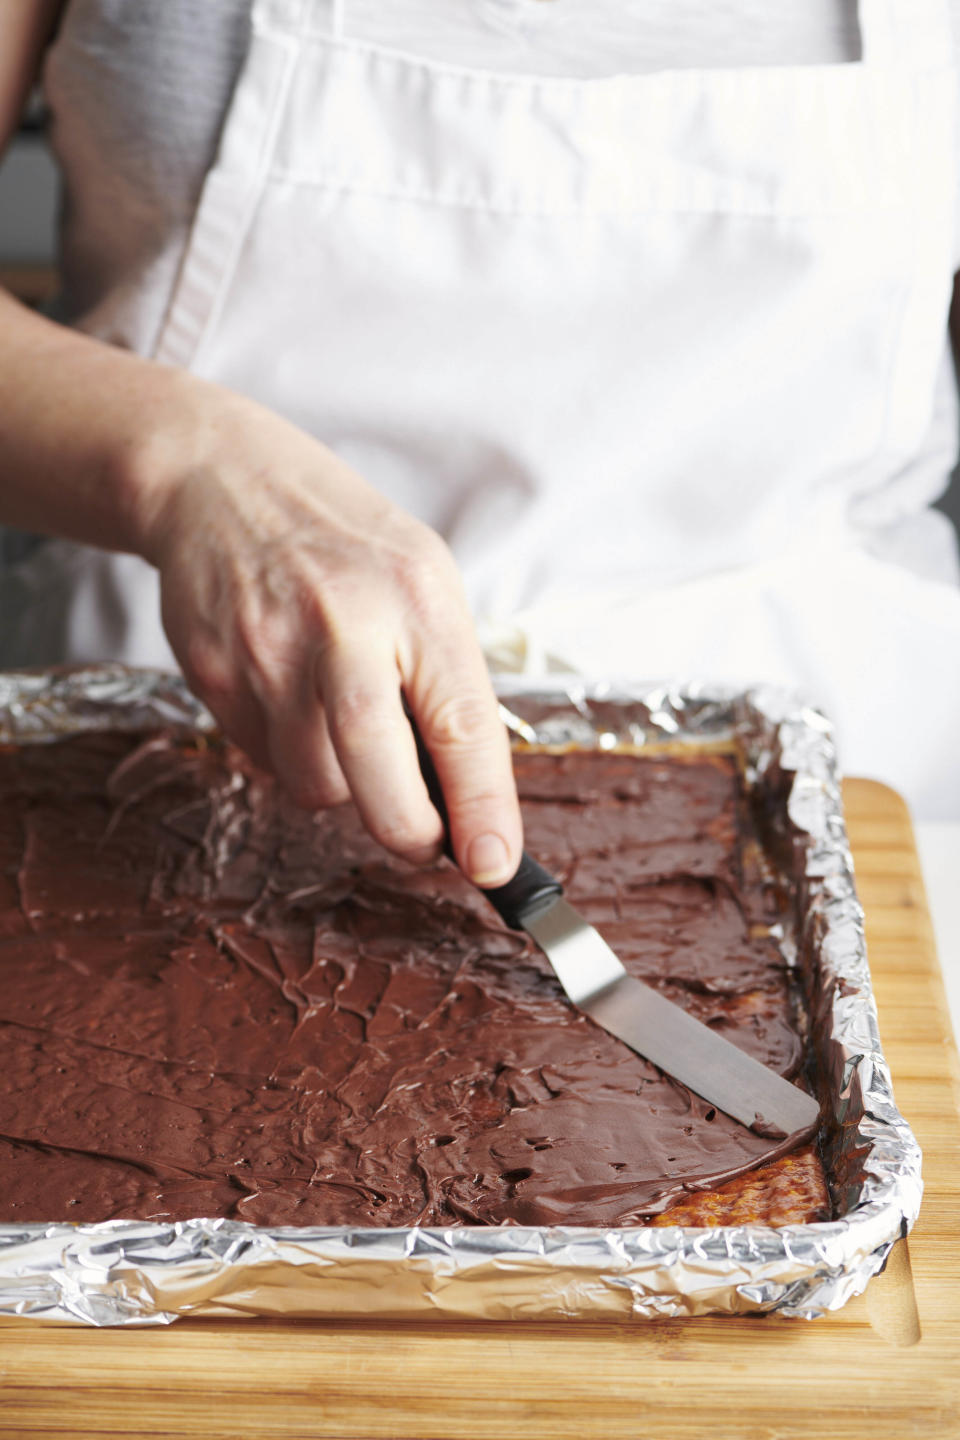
column 82, row 428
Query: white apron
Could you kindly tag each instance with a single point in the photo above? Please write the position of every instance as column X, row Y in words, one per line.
column 653, row 353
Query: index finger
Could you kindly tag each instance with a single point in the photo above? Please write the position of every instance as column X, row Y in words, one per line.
column 452, row 700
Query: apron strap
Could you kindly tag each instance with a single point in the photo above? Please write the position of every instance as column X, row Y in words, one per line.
column 328, row 17
column 320, row 16
column 277, row 14
column 895, row 34
column 906, row 34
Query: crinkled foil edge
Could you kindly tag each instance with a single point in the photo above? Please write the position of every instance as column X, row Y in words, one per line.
column 137, row 1273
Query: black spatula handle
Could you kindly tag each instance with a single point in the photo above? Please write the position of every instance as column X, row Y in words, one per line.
column 530, row 889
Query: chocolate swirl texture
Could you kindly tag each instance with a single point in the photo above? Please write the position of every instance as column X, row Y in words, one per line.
column 212, row 1003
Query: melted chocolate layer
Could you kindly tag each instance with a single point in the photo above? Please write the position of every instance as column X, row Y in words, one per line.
column 214, row 1004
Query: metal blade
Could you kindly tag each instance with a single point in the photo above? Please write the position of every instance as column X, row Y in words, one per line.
column 596, row 982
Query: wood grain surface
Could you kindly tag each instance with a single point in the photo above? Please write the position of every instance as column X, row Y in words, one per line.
column 887, row 1365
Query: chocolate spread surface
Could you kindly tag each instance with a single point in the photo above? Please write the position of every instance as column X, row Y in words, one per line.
column 212, row 1003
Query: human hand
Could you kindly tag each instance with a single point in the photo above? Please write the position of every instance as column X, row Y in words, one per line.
column 302, row 606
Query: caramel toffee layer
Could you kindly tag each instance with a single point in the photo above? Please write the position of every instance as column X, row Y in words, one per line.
column 212, row 1003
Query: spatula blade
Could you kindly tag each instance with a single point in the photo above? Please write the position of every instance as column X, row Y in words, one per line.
column 679, row 1044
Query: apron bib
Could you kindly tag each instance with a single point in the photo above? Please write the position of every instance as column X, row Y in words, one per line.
column 649, row 351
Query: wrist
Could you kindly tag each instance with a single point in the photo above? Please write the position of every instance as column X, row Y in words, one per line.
column 153, row 460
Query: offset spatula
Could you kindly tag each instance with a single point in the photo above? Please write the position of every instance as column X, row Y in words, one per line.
column 595, row 981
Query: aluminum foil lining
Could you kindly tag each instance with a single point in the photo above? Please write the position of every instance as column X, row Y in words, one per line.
column 136, row 1273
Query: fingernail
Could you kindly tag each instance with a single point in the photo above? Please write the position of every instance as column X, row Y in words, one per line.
column 488, row 861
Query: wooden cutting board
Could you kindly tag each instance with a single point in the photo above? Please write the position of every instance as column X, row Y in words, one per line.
column 887, row 1365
